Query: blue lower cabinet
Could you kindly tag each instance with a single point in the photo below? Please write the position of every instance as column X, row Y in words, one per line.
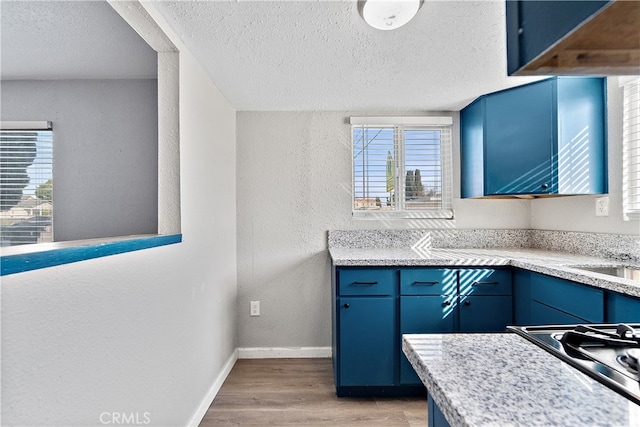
column 424, row 314
column 435, row 416
column 622, row 308
column 375, row 307
column 366, row 341
column 485, row 313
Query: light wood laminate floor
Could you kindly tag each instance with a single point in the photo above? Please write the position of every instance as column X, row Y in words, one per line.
column 301, row 392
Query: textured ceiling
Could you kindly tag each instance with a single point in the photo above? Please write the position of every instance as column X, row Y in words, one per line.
column 320, row 55
column 70, row 39
column 276, row 55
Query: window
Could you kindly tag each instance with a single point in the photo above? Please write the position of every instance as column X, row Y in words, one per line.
column 26, row 183
column 631, row 150
column 402, row 167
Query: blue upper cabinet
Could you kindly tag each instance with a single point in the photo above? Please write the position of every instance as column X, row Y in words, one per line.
column 576, row 37
column 543, row 138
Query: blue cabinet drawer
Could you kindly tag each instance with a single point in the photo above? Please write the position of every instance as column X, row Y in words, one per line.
column 485, row 281
column 366, row 282
column 574, row 299
column 428, row 281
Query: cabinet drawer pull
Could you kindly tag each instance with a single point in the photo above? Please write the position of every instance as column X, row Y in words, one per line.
column 467, row 303
column 484, row 283
column 365, row 283
column 446, row 303
column 425, row 283
column 346, row 305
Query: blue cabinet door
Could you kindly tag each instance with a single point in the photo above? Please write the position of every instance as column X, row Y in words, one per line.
column 367, row 341
column 420, row 315
column 485, row 313
column 519, row 140
column 622, row 308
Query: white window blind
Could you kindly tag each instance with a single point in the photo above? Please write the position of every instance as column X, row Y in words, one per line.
column 631, row 150
column 402, row 170
column 26, row 183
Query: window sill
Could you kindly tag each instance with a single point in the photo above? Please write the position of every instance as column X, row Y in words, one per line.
column 377, row 214
column 632, row 216
column 18, row 259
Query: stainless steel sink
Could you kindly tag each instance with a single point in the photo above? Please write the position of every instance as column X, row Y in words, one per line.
column 624, row 272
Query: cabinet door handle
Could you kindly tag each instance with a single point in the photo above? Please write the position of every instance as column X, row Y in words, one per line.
column 365, row 283
column 484, row 283
column 425, row 283
column 346, row 305
column 467, row 303
column 446, row 303
column 545, row 185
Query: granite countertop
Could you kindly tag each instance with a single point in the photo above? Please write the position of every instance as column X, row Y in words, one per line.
column 557, row 264
column 502, row 379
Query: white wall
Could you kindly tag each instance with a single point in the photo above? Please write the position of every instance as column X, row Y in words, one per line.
column 105, row 135
column 149, row 331
column 294, row 184
column 578, row 213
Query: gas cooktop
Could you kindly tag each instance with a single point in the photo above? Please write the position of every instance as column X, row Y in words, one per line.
column 609, row 353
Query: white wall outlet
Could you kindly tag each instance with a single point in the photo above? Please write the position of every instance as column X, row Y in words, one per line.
column 255, row 308
column 602, row 206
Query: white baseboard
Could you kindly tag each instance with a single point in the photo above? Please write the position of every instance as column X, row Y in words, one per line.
column 283, row 352
column 213, row 391
column 254, row 353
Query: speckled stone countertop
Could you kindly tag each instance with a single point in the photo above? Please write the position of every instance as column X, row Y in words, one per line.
column 557, row 264
column 502, row 379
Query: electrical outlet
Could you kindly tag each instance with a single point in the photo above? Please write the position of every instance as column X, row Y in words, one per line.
column 602, row 206
column 255, row 308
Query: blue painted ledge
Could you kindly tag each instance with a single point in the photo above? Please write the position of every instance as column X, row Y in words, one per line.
column 18, row 263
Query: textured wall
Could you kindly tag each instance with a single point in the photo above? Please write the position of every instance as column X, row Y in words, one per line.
column 142, row 332
column 105, row 136
column 294, row 184
column 578, row 213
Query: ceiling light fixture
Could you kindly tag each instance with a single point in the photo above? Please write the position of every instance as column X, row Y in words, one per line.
column 388, row 14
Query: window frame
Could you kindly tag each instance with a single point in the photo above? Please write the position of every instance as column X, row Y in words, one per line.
column 630, row 142
column 400, row 124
